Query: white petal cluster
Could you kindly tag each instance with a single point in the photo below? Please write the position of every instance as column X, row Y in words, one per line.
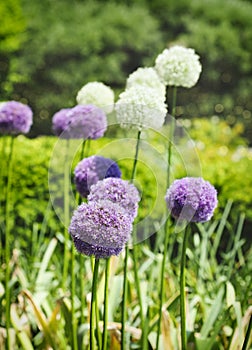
column 146, row 77
column 178, row 66
column 98, row 94
column 141, row 107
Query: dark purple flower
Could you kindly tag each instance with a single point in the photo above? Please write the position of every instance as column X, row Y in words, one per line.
column 118, row 191
column 100, row 228
column 191, row 199
column 92, row 169
column 60, row 121
column 15, row 118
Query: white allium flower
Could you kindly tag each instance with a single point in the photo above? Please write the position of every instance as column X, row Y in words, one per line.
column 141, row 107
column 178, row 66
column 146, row 77
column 98, row 94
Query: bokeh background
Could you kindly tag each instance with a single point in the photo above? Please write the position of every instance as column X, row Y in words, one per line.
column 49, row 49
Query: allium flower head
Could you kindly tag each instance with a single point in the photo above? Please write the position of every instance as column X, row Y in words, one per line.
column 141, row 107
column 118, row 191
column 15, row 118
column 178, row 66
column 98, row 94
column 60, row 121
column 83, row 122
column 146, row 77
column 191, row 199
column 100, row 228
column 92, row 169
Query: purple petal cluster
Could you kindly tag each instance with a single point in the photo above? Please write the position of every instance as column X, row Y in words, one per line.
column 80, row 122
column 100, row 228
column 191, row 199
column 118, row 191
column 92, row 169
column 60, row 121
column 15, row 118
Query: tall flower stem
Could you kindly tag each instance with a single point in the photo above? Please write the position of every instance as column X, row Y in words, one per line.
column 125, row 282
column 8, row 244
column 166, row 227
column 105, row 310
column 74, row 330
column 2, row 167
column 66, row 216
column 171, row 136
column 182, row 291
column 93, row 303
column 81, row 257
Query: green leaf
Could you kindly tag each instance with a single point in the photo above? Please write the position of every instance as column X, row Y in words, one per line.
column 212, row 314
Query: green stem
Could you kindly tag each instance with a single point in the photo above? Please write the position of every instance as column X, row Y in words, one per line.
column 98, row 331
column 83, row 149
column 166, row 232
column 182, row 292
column 166, row 239
column 171, row 136
column 138, row 289
column 7, row 243
column 81, row 257
column 133, row 174
column 105, row 311
column 125, row 296
column 93, row 303
column 125, row 282
column 66, row 216
column 74, row 330
column 82, row 299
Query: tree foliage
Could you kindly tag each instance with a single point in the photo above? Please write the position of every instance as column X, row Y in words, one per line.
column 69, row 46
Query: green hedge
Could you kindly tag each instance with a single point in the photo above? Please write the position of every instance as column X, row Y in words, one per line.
column 224, row 160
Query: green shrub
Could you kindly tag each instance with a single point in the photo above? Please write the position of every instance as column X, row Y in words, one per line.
column 224, row 160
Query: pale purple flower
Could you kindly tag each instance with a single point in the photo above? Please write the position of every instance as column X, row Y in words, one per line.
column 118, row 191
column 100, row 228
column 81, row 122
column 60, row 121
column 92, row 169
column 15, row 118
column 191, row 199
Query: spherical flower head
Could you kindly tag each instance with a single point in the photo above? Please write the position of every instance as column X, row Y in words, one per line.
column 60, row 121
column 100, row 228
column 146, row 77
column 15, row 118
column 178, row 66
column 118, row 191
column 141, row 107
column 98, row 94
column 85, row 122
column 191, row 199
column 92, row 169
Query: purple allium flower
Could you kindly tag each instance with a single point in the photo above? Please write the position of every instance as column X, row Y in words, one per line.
column 92, row 169
column 98, row 251
column 191, row 199
column 15, row 118
column 118, row 191
column 81, row 122
column 100, row 228
column 60, row 121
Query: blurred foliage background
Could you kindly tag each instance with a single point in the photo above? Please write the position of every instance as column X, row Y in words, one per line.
column 49, row 49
